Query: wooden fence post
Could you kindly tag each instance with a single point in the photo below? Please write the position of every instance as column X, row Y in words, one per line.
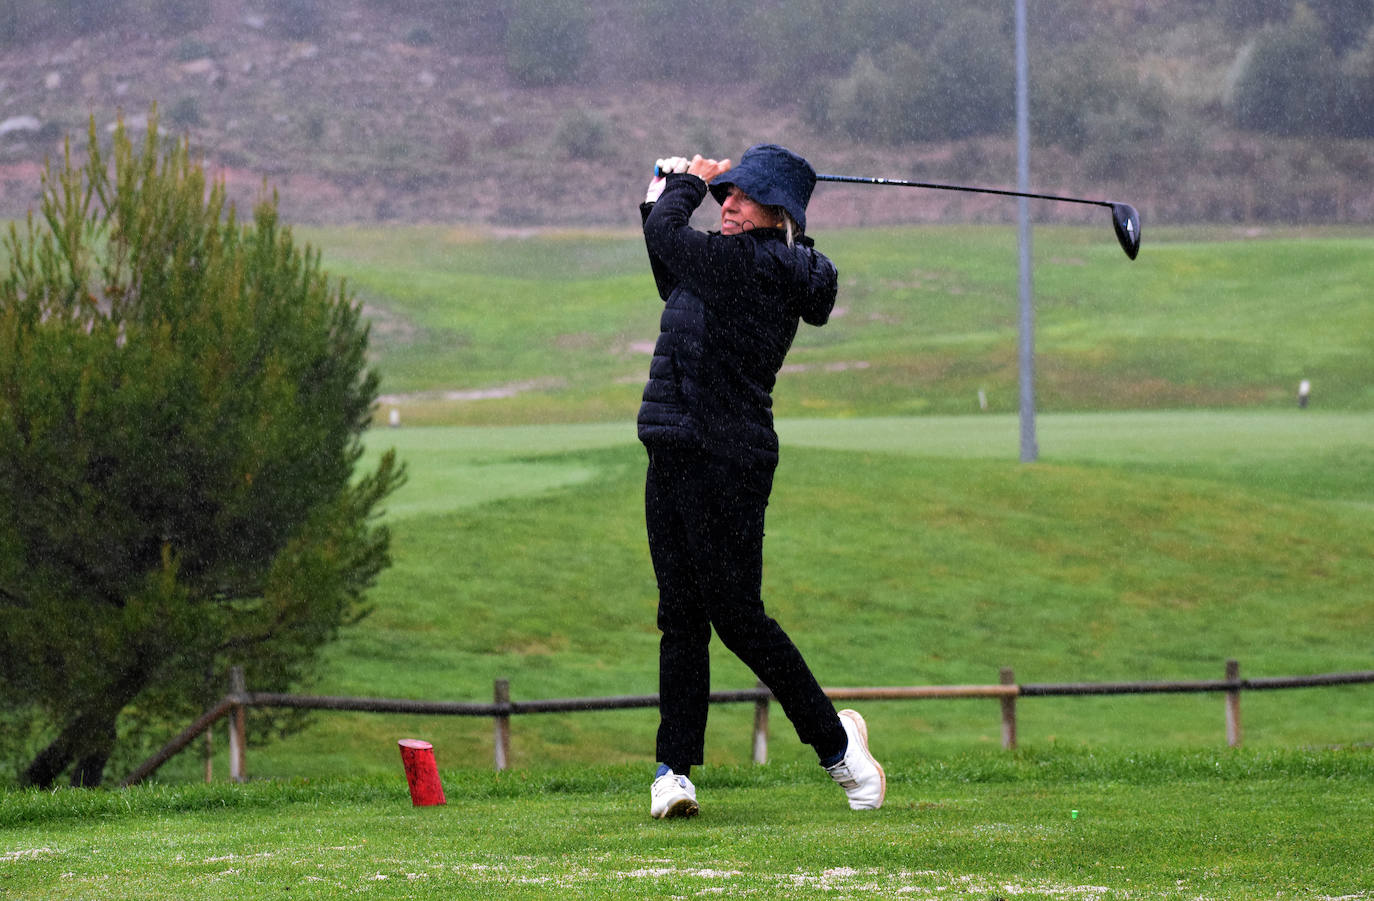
column 1008, row 677
column 238, row 727
column 761, row 728
column 501, row 742
column 1233, row 730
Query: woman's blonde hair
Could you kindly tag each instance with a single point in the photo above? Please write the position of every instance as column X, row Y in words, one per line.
column 788, row 224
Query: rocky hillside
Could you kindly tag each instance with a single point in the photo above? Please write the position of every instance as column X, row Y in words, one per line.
column 374, row 119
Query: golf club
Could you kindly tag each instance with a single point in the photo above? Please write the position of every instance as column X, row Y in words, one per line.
column 1125, row 219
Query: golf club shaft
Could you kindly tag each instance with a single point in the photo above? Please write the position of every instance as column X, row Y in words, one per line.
column 861, row 180
column 1125, row 218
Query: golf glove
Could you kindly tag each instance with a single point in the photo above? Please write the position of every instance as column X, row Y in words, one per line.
column 663, row 168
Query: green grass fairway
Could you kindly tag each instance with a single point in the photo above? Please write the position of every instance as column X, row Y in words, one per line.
column 1318, row 455
column 554, row 327
column 901, row 551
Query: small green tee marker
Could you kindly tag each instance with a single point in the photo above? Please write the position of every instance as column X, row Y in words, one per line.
column 1073, row 814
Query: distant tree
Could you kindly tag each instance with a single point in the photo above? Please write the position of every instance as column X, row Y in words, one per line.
column 1247, row 14
column 182, row 400
column 961, row 85
column 299, row 20
column 582, row 135
column 547, row 41
column 878, row 24
column 178, row 16
column 475, row 24
column 865, row 105
column 1287, row 80
column 786, row 49
column 19, row 19
column 1345, row 21
column 185, row 112
column 970, row 85
column 85, row 16
column 1357, row 94
column 1066, row 87
column 660, row 48
column 1124, row 138
column 481, row 22
column 1080, row 97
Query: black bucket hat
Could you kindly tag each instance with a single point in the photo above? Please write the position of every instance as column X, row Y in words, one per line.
column 772, row 176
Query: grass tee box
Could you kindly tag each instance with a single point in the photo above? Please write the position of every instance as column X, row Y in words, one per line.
column 1099, row 825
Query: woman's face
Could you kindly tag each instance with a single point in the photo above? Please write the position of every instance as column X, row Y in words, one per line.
column 740, row 213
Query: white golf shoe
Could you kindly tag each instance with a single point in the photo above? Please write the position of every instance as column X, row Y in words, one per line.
column 861, row 777
column 673, row 796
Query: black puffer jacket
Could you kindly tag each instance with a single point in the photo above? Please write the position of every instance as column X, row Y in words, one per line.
column 731, row 312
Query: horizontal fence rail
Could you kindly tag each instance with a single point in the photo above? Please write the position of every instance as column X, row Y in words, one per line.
column 234, row 704
column 1050, row 689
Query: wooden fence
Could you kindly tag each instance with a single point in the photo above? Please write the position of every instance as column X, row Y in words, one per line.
column 235, row 704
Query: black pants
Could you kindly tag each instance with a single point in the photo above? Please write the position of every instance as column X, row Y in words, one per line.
column 705, row 522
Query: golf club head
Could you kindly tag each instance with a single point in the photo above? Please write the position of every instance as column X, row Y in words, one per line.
column 1126, row 221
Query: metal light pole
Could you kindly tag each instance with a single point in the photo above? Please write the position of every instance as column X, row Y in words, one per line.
column 1026, row 353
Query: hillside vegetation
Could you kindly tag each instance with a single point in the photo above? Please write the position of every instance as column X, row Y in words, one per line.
column 515, row 112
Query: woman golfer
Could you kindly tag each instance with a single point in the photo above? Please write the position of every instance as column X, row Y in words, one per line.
column 732, row 304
